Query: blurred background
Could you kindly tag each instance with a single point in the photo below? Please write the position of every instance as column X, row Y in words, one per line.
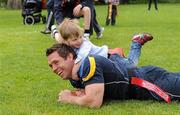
column 17, row 4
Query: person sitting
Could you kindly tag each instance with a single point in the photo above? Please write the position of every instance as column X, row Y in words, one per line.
column 70, row 9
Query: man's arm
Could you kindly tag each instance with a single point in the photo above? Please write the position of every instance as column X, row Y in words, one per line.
column 93, row 96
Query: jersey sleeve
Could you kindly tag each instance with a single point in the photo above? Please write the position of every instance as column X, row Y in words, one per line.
column 90, row 72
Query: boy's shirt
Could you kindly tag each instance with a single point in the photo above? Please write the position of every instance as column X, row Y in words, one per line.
column 88, row 48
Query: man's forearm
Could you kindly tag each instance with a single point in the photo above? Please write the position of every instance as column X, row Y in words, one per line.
column 80, row 98
column 84, row 101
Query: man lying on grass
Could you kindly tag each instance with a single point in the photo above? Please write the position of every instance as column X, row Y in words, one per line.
column 115, row 78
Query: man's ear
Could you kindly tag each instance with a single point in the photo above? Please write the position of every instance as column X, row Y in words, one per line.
column 70, row 57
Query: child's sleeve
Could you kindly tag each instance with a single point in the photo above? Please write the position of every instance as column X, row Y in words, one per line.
column 83, row 51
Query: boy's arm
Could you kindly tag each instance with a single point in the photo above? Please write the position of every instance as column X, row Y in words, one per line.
column 56, row 34
column 75, row 70
column 58, row 37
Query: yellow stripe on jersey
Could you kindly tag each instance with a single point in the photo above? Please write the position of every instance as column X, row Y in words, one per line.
column 92, row 69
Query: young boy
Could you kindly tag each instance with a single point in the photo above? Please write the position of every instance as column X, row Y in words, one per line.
column 72, row 34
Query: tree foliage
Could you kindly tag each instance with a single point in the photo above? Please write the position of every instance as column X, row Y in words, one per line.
column 14, row 4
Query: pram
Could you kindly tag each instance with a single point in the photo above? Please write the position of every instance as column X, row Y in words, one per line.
column 31, row 12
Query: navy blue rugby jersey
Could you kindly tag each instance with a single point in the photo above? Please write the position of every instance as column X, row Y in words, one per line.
column 97, row 69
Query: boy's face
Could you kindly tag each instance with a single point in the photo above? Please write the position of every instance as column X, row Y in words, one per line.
column 75, row 42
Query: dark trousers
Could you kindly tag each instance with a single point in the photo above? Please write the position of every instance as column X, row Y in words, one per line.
column 113, row 15
column 50, row 18
column 96, row 26
column 94, row 23
column 155, row 4
column 167, row 81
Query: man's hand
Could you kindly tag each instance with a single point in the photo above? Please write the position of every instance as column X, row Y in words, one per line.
column 78, row 92
column 91, row 96
column 64, row 96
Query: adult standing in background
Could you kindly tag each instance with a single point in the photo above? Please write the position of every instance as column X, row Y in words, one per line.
column 155, row 4
column 112, row 12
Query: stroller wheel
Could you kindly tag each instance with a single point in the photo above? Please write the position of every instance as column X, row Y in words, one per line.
column 44, row 19
column 29, row 20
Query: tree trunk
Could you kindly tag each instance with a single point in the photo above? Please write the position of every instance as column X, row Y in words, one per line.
column 14, row 4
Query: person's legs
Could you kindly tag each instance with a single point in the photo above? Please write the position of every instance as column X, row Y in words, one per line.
column 114, row 13
column 167, row 81
column 96, row 26
column 50, row 17
column 91, row 23
column 109, row 13
column 135, row 50
column 87, row 17
column 50, row 7
column 50, row 20
column 155, row 4
column 85, row 12
column 149, row 4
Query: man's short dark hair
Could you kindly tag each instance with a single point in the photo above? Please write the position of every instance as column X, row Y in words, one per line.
column 62, row 49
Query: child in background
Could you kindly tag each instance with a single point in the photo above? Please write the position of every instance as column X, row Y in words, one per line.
column 112, row 12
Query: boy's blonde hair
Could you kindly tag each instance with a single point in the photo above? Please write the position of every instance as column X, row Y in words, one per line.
column 70, row 28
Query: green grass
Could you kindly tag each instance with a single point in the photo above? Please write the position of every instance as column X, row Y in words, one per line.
column 28, row 87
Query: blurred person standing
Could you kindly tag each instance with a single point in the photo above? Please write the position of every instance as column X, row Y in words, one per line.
column 112, row 12
column 155, row 4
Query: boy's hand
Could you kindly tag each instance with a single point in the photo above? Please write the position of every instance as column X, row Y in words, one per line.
column 75, row 70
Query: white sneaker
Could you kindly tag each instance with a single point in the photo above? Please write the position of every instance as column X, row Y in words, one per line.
column 53, row 27
column 53, row 31
column 86, row 35
column 100, row 34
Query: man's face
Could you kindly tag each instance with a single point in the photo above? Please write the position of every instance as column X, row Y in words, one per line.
column 61, row 66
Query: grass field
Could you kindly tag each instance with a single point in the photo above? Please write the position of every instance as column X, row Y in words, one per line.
column 28, row 86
